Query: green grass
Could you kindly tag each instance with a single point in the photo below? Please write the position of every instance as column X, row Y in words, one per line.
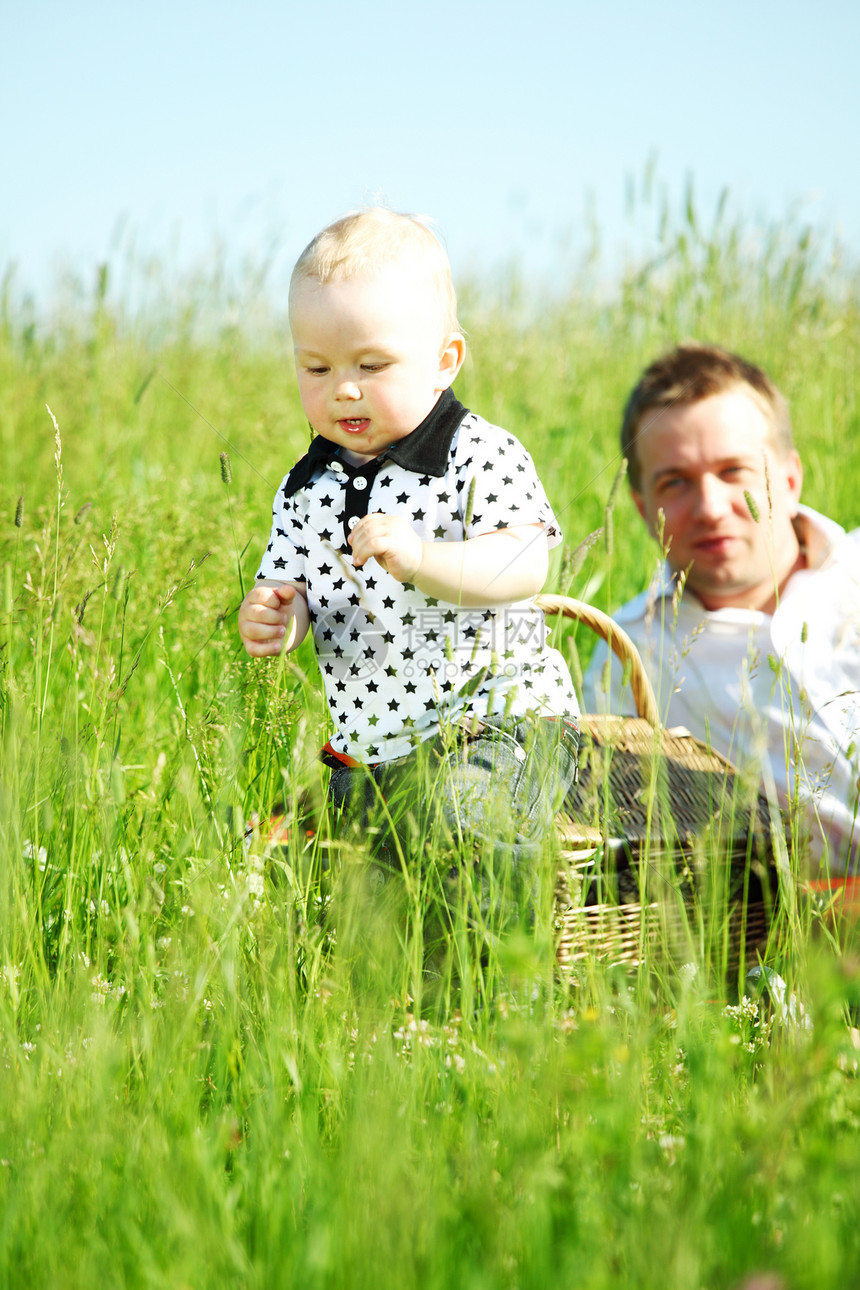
column 220, row 1066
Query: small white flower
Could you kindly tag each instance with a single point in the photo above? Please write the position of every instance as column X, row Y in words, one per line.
column 30, row 854
column 101, row 988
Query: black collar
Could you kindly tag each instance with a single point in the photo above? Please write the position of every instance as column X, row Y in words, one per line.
column 424, row 451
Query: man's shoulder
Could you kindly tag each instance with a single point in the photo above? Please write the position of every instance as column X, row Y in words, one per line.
column 635, row 610
column 844, row 552
column 654, row 615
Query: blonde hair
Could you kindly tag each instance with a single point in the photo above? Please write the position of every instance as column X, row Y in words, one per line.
column 692, row 372
column 366, row 241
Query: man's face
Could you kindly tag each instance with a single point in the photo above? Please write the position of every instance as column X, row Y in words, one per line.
column 698, row 461
column 371, row 355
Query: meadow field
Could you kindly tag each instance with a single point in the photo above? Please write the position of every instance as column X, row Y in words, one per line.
column 220, row 1064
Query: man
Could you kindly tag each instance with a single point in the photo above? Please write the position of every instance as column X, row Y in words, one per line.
column 751, row 632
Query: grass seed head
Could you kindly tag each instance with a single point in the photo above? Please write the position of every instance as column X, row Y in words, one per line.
column 470, row 501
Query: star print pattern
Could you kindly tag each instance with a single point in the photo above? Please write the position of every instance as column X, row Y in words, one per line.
column 394, row 661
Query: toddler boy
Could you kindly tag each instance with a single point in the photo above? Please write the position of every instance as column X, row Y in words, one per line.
column 412, row 538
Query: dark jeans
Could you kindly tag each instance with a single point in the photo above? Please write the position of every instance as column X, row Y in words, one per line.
column 485, row 796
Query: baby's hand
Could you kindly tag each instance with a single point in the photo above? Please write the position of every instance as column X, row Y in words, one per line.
column 267, row 617
column 393, row 542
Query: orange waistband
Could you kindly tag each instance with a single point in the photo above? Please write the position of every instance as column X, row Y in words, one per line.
column 330, row 757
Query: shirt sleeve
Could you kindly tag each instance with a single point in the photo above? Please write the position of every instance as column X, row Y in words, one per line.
column 284, row 558
column 499, row 486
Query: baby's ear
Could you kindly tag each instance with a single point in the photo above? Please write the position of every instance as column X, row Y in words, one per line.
column 451, row 360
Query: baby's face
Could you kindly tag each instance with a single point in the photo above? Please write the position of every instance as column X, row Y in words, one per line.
column 371, row 355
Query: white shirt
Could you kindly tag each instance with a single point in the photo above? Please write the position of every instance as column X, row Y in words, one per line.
column 395, row 661
column 780, row 691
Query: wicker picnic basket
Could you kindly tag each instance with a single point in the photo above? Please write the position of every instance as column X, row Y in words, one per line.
column 666, row 848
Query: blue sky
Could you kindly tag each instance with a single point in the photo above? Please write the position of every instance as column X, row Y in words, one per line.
column 173, row 126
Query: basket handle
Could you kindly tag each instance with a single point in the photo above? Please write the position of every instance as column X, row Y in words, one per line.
column 617, row 640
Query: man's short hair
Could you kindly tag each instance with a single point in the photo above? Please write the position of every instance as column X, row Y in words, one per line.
column 366, row 241
column 692, row 372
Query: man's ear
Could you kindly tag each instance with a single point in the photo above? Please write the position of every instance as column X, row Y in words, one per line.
column 793, row 468
column 451, row 360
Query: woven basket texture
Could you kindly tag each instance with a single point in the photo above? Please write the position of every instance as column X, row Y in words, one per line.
column 667, row 849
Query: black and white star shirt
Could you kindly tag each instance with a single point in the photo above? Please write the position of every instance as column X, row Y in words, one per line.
column 395, row 662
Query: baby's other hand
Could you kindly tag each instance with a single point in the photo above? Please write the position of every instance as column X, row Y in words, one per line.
column 265, row 616
column 392, row 541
